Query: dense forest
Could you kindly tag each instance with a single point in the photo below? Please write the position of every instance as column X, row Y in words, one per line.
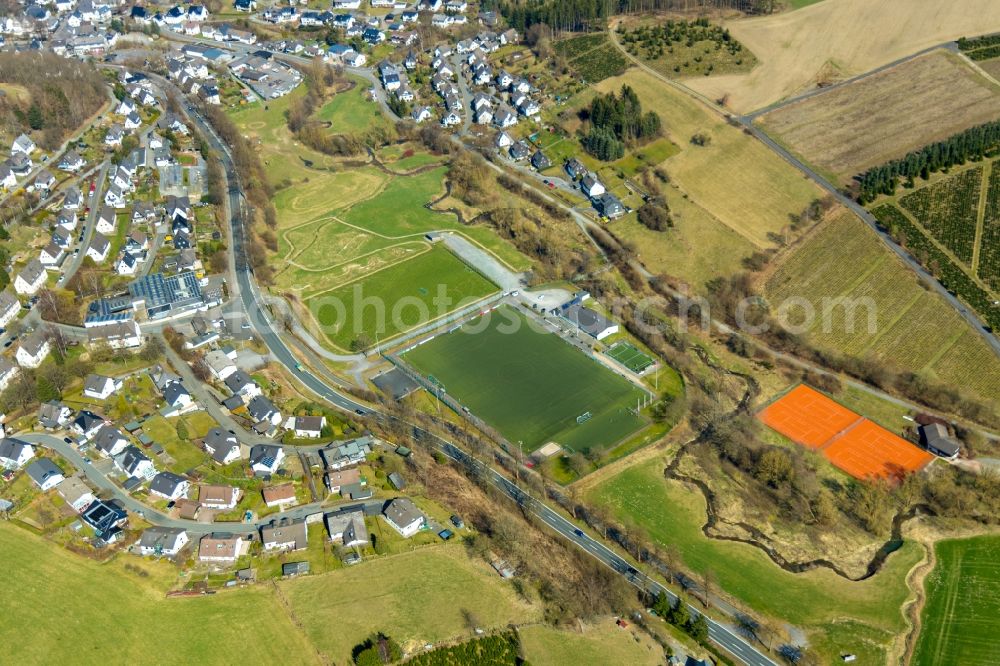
column 577, row 15
column 972, row 144
column 48, row 96
column 617, row 120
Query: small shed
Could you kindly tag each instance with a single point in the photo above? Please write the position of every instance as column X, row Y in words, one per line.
column 397, row 480
column 294, row 568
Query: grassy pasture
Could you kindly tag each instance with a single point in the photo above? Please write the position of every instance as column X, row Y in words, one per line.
column 407, row 292
column 530, row 385
column 177, row 631
column 734, row 178
column 288, row 163
column 352, row 111
column 961, row 620
column 596, row 645
column 672, row 515
column 914, row 329
column 821, row 43
column 399, row 210
column 415, row 597
column 854, row 127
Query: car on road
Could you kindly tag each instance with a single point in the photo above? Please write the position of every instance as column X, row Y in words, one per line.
column 551, row 185
column 68, row 440
column 299, row 368
column 360, row 412
column 578, row 532
column 87, row 460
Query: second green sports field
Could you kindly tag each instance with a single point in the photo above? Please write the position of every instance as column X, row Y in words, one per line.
column 531, row 386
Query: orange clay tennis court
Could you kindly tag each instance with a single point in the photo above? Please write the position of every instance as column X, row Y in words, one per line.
column 851, row 442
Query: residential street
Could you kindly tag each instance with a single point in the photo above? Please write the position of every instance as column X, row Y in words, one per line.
column 96, row 203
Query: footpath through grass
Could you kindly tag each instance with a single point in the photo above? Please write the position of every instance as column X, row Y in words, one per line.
column 530, row 385
column 961, row 621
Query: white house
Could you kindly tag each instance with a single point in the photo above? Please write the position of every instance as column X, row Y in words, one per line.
column 177, row 396
column 421, row 113
column 125, row 107
column 9, row 307
column 221, row 547
column 309, row 427
column 266, row 458
column 114, row 136
column 403, row 516
column 127, row 264
column 22, row 144
column 31, row 278
column 33, row 350
column 106, row 220
column 116, row 335
column 100, row 387
column 99, row 247
column 222, row 446
column 7, row 178
column 135, row 463
column 219, row 364
column 107, row 439
column 67, row 219
column 279, row 496
column 163, row 541
column 51, row 255
column 219, row 497
column 347, row 527
column 8, row 371
column 115, row 196
column 284, row 534
column 76, row 493
column 591, row 186
column 14, row 453
column 503, row 140
column 53, row 415
column 72, row 162
column 45, row 473
column 170, row 486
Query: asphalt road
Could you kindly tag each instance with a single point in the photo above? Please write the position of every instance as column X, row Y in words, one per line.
column 725, row 636
column 131, row 504
column 96, row 199
column 247, row 295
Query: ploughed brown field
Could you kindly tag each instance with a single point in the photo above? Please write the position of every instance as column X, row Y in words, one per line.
column 857, row 126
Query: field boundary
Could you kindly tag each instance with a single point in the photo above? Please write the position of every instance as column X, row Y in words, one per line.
column 984, row 191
